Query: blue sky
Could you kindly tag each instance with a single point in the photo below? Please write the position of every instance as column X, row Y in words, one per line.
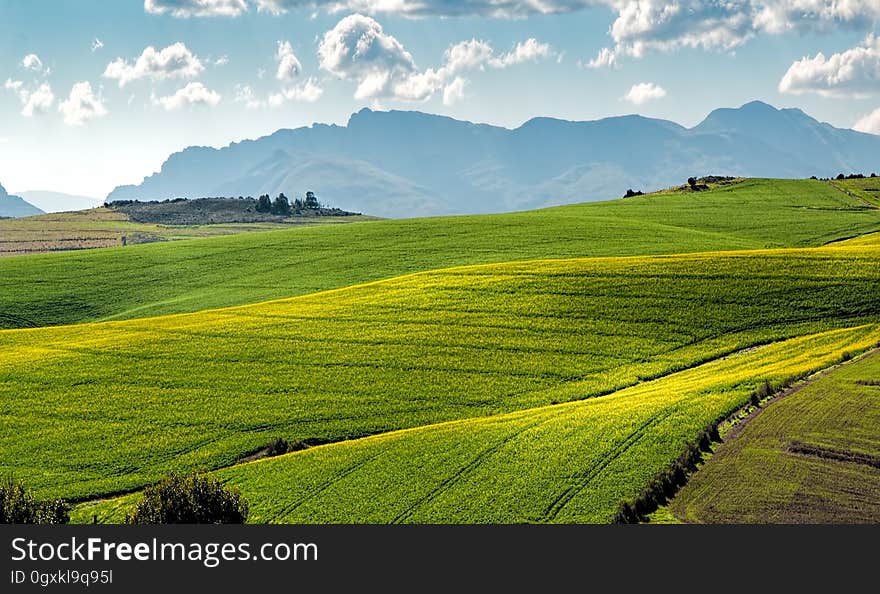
column 82, row 117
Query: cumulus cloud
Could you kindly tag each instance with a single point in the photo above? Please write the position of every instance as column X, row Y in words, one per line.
column 418, row 8
column 82, row 105
column 644, row 92
column 870, row 123
column 174, row 61
column 194, row 93
column 852, row 73
column 245, row 94
column 97, row 44
column 358, row 49
column 33, row 101
column 289, row 66
column 184, row 9
column 222, row 60
column 307, row 92
column 32, row 62
column 645, row 26
column 454, row 91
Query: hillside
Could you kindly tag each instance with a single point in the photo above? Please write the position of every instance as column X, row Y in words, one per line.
column 404, row 164
column 812, row 457
column 193, row 275
column 106, row 228
column 204, row 390
column 15, row 206
column 214, row 211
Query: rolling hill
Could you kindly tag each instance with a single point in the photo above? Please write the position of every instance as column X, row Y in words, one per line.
column 403, row 164
column 16, row 206
column 122, row 403
column 189, row 276
column 812, row 457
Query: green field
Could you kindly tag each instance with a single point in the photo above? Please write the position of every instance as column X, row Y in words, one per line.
column 104, row 228
column 811, row 457
column 188, row 276
column 542, row 390
column 129, row 401
column 569, row 463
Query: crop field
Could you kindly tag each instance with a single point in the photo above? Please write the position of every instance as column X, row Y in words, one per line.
column 103, row 227
column 811, row 457
column 567, row 463
column 188, row 276
column 120, row 404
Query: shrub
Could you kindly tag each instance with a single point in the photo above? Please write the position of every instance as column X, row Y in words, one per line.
column 18, row 506
column 278, row 447
column 191, row 499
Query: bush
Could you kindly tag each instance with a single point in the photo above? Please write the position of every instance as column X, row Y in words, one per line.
column 190, row 499
column 18, row 506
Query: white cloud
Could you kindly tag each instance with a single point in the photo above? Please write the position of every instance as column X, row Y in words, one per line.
column 82, row 105
column 418, row 8
column 454, row 91
column 222, row 60
column 605, row 59
column 358, row 49
column 97, row 44
column 307, row 92
column 32, row 62
column 196, row 8
column 289, row 66
column 33, row 101
column 174, row 61
column 194, row 93
column 530, row 50
column 644, row 92
column 870, row 123
column 245, row 94
column 852, row 73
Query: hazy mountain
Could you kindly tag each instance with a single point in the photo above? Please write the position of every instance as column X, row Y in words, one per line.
column 409, row 163
column 15, row 206
column 58, row 201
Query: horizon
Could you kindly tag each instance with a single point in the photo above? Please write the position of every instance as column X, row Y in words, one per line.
column 19, row 192
column 95, row 96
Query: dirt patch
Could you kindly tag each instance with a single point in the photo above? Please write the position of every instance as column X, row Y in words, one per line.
column 815, row 451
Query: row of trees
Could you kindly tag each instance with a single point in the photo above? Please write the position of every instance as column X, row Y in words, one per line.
column 282, row 206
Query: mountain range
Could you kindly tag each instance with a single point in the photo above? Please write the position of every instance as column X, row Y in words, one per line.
column 408, row 163
column 59, row 201
column 15, row 206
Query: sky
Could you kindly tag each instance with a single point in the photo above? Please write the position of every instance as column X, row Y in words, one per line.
column 96, row 94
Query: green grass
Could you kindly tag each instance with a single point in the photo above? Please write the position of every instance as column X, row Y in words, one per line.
column 92, row 409
column 570, row 463
column 103, row 228
column 185, row 276
column 755, row 478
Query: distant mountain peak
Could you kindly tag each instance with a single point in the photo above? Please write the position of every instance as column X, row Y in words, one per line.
column 409, row 163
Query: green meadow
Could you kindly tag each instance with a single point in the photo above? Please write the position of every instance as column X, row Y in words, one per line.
column 529, row 367
column 187, row 276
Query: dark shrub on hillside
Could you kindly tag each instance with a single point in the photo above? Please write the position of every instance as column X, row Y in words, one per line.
column 18, row 506
column 278, row 447
column 191, row 499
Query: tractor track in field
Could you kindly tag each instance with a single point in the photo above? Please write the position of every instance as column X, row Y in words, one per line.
column 567, row 495
column 456, row 477
column 339, row 476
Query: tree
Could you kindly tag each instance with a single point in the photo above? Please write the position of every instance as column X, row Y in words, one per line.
column 692, row 181
column 18, row 506
column 312, row 200
column 264, row 203
column 281, row 206
column 191, row 499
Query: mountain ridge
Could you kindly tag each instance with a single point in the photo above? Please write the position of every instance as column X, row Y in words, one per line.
column 410, row 163
column 16, row 206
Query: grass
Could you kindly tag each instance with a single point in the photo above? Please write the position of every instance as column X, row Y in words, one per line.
column 570, row 463
column 103, row 228
column 186, row 276
column 805, row 459
column 120, row 404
